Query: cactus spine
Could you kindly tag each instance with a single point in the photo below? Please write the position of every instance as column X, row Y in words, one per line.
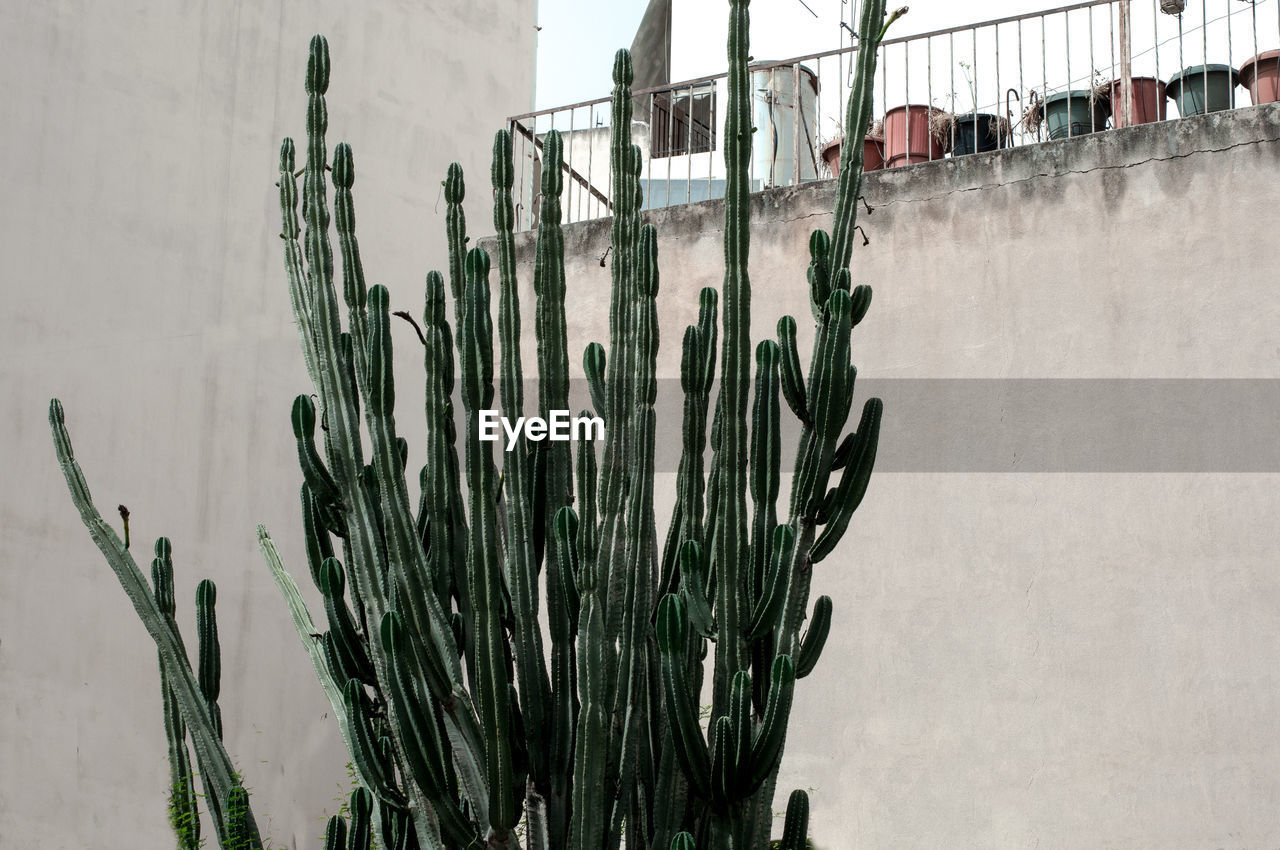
column 459, row 724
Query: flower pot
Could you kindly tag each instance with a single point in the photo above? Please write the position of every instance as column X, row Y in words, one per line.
column 977, row 133
column 1074, row 113
column 1147, row 102
column 1261, row 76
column 831, row 156
column 907, row 139
column 872, row 155
column 1204, row 88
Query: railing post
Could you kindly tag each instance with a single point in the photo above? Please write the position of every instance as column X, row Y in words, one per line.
column 1126, row 65
column 795, row 123
column 676, row 131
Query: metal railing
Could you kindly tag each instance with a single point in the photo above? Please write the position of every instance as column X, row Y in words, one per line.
column 929, row 87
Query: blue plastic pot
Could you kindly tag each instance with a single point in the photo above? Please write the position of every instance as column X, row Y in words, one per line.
column 1074, row 113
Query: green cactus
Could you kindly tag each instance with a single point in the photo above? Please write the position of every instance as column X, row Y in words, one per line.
column 360, row 834
column 184, row 811
column 210, row 652
column 795, row 831
column 464, row 728
column 335, row 834
column 217, row 775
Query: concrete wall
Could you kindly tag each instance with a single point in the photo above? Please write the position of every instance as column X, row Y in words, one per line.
column 144, row 286
column 1072, row 656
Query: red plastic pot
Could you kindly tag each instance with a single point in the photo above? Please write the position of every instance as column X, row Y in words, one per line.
column 831, row 156
column 872, row 155
column 1261, row 76
column 907, row 139
column 1148, row 102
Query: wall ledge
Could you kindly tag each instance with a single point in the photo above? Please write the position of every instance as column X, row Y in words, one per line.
column 1123, row 148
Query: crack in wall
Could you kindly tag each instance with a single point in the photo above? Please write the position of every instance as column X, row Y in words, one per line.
column 1040, row 175
column 685, row 223
column 683, row 233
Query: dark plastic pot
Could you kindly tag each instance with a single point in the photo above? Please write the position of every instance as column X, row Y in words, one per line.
column 1148, row 101
column 1204, row 88
column 977, row 133
column 1073, row 113
column 907, row 139
column 1261, row 76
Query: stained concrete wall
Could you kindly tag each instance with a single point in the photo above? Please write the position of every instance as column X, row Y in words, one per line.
column 143, row 284
column 1073, row 656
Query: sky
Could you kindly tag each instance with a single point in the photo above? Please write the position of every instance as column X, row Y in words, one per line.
column 579, row 37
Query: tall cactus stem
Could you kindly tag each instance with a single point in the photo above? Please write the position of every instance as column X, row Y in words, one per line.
column 731, row 546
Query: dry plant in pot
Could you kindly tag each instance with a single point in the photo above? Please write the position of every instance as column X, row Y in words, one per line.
column 872, row 150
column 973, row 132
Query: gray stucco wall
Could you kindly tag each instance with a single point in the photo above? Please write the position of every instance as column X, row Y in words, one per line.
column 143, row 284
column 1055, row 658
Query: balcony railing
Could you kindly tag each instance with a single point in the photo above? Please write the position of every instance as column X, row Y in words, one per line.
column 1052, row 73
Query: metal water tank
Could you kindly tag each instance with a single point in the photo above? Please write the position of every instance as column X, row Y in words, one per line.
column 782, row 129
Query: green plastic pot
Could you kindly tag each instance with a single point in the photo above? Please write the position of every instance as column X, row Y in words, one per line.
column 1203, row 88
column 1074, row 113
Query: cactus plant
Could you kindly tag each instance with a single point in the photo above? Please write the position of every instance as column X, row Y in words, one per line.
column 224, row 796
column 184, row 812
column 461, row 721
column 795, row 830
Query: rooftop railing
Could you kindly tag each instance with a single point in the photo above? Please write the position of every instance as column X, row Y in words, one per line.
column 1010, row 81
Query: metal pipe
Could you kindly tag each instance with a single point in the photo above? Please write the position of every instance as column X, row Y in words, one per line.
column 951, row 49
column 511, row 128
column 1066, row 24
column 1231, row 100
column 591, row 128
column 711, row 140
column 1253, row 12
column 906, row 96
column 568, row 150
column 533, row 170
column 688, row 152
column 928, row 58
column 1204, row 38
column 1093, row 65
column 1021, row 87
column 1155, row 40
column 999, row 90
column 795, row 124
column 974, row 84
column 817, row 170
column 670, row 151
column 1044, row 76
column 884, row 92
